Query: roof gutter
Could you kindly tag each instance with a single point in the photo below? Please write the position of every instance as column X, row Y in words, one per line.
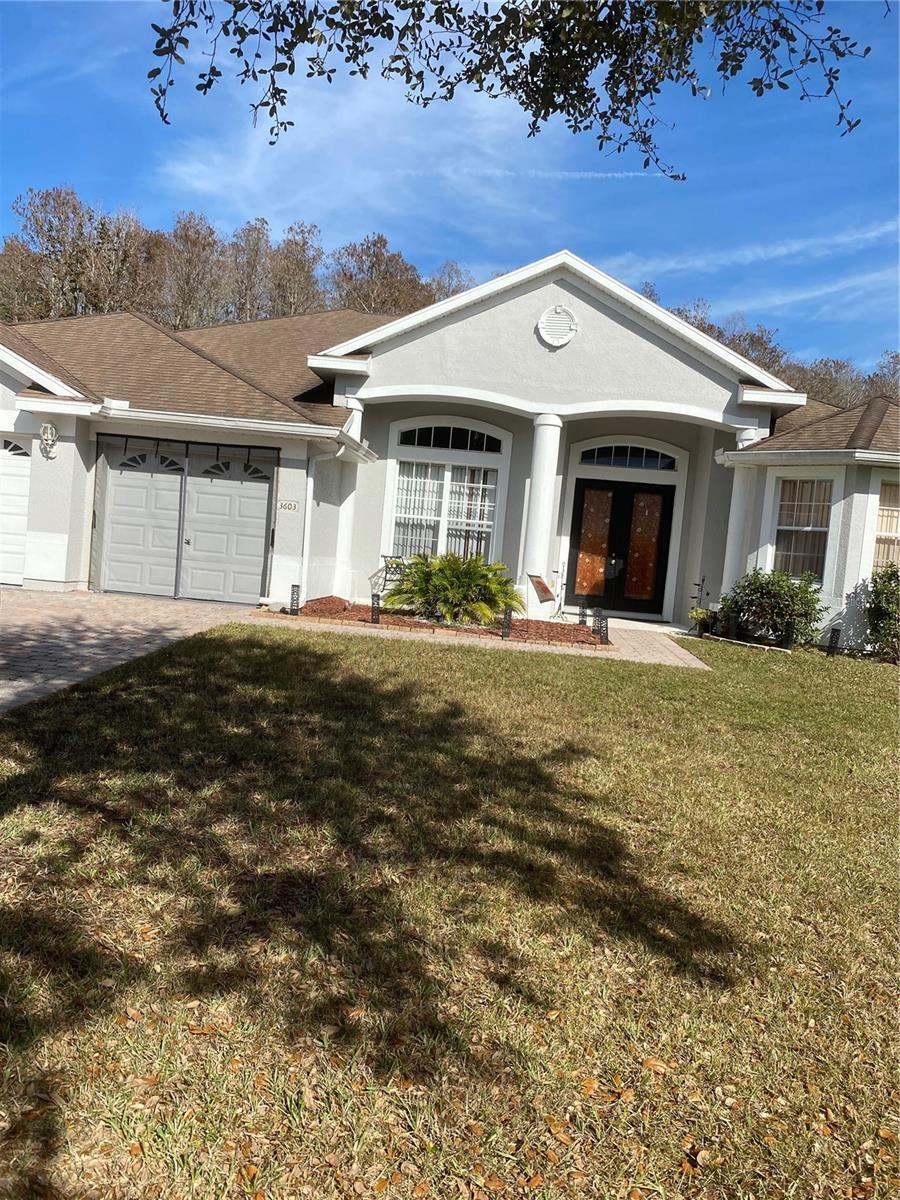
column 771, row 458
column 118, row 410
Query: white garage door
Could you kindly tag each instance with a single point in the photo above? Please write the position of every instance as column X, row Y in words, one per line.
column 15, row 473
column 226, row 527
column 140, row 552
column 189, row 521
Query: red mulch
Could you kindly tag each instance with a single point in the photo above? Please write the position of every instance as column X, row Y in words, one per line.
column 333, row 609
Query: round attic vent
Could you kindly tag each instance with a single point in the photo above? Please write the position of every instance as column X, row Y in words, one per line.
column 557, row 326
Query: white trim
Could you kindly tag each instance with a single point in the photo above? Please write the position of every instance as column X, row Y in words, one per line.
column 765, row 554
column 870, row 528
column 678, row 477
column 467, row 458
column 567, row 261
column 770, row 458
column 67, row 408
column 331, row 366
column 758, row 395
column 23, row 367
column 598, row 408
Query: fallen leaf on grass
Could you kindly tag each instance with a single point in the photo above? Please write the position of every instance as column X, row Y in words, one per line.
column 133, row 1014
column 589, row 1086
column 381, row 1185
column 656, row 1065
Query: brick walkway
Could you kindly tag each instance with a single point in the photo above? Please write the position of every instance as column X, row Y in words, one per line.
column 49, row 640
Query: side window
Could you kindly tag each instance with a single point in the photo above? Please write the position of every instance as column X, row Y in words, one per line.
column 801, row 537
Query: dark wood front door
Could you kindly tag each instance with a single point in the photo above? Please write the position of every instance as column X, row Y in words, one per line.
column 619, row 549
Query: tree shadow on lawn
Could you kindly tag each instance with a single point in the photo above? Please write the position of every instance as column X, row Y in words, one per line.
column 282, row 798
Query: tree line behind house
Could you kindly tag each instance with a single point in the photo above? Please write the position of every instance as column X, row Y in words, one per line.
column 70, row 258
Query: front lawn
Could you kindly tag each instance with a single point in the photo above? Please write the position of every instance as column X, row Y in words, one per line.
column 290, row 914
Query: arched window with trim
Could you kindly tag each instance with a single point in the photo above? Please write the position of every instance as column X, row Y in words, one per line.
column 447, row 493
column 637, row 458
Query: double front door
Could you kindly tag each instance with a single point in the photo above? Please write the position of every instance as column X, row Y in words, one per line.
column 619, row 546
column 191, row 521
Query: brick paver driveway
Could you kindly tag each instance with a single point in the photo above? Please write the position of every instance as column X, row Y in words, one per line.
column 49, row 640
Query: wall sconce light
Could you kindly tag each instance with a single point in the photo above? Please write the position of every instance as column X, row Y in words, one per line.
column 49, row 438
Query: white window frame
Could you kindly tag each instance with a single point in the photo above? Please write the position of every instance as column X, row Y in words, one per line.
column 676, row 479
column 765, row 558
column 870, row 531
column 449, row 458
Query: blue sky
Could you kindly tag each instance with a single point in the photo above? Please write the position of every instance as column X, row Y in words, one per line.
column 780, row 218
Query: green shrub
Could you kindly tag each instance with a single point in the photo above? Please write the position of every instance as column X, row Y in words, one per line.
column 766, row 603
column 883, row 612
column 460, row 591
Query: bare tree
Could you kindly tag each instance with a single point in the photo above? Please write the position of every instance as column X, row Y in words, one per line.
column 21, row 294
column 369, row 276
column 195, row 273
column 249, row 257
column 294, row 266
column 449, row 280
column 117, row 270
column 57, row 227
column 885, row 379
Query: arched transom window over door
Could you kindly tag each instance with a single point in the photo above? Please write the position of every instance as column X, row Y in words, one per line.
column 448, row 488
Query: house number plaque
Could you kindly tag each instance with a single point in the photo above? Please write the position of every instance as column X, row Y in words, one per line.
column 287, row 505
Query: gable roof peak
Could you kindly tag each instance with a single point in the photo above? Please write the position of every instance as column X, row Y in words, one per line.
column 674, row 327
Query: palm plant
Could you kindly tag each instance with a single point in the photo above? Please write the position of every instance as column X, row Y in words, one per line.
column 459, row 591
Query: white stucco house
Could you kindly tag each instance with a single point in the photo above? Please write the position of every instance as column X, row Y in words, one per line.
column 552, row 418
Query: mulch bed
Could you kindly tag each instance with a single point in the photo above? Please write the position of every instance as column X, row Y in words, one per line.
column 334, row 610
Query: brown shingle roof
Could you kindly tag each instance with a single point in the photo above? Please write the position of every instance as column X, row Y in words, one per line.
column 873, row 425
column 127, row 356
column 812, row 410
column 275, row 351
column 15, row 339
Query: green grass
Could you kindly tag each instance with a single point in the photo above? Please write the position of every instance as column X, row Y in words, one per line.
column 285, row 914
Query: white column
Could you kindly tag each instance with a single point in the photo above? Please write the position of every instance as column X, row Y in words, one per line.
column 738, row 514
column 544, row 457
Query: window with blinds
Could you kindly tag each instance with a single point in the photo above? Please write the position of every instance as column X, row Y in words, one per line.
column 801, row 537
column 441, row 507
column 887, row 531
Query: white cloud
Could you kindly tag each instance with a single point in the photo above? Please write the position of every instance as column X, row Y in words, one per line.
column 841, row 241
column 361, row 158
column 830, row 297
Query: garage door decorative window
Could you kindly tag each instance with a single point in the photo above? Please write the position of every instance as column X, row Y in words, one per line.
column 133, row 463
column 14, row 448
column 253, row 472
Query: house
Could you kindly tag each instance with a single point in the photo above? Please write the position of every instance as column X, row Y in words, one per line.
column 552, row 418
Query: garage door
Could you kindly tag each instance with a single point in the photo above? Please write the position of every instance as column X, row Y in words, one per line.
column 191, row 521
column 226, row 526
column 15, row 473
column 143, row 505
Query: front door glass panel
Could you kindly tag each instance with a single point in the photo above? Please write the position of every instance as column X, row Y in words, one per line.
column 643, row 546
column 593, row 550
